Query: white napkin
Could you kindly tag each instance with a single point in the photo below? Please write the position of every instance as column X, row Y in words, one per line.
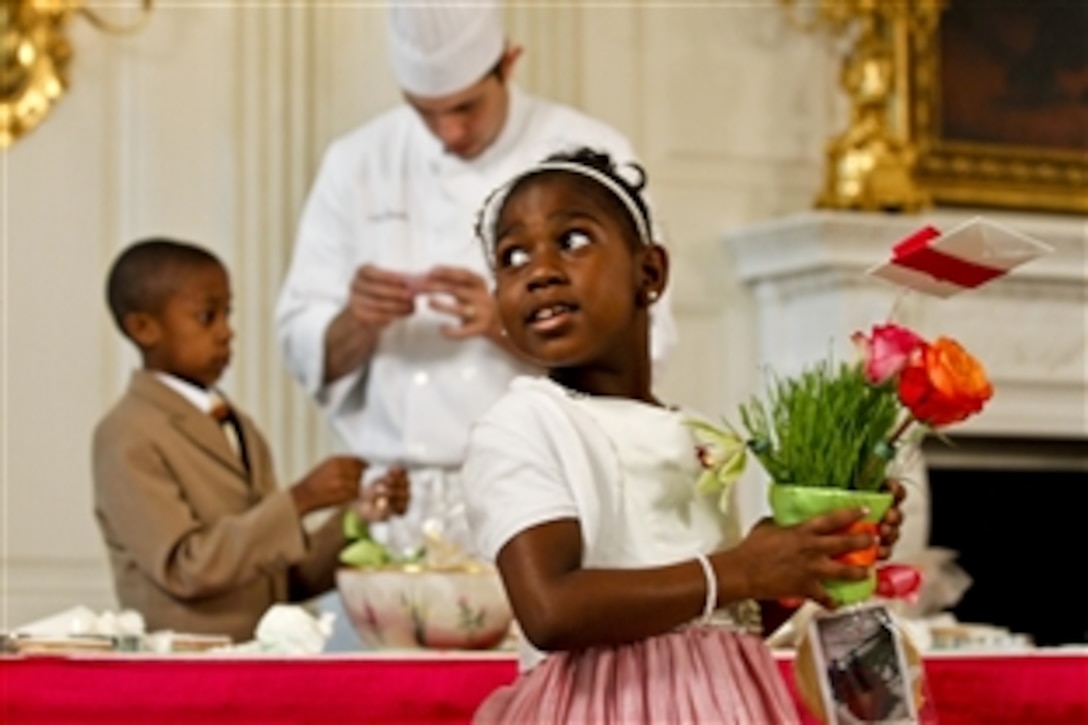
column 79, row 620
column 288, row 629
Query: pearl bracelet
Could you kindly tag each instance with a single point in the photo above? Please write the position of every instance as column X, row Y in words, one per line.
column 711, row 588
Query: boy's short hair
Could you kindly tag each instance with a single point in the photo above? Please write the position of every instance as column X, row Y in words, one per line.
column 145, row 274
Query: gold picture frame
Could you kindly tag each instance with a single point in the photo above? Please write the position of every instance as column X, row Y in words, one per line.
column 35, row 55
column 990, row 132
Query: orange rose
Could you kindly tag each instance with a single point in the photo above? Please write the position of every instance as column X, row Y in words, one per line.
column 942, row 383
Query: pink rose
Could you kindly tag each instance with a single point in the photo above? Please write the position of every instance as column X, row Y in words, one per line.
column 885, row 351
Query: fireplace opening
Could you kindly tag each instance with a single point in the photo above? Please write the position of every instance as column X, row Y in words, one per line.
column 1016, row 510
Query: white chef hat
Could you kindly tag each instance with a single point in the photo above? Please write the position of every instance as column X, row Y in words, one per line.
column 438, row 48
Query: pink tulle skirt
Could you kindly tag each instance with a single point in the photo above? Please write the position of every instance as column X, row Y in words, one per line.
column 694, row 675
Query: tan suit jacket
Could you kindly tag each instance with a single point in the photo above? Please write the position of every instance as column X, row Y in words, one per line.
column 197, row 543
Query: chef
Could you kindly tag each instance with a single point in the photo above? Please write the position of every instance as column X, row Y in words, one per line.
column 386, row 316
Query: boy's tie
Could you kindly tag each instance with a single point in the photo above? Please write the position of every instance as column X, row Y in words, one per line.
column 221, row 412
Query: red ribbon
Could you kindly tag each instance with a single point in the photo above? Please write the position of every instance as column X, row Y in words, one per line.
column 915, row 241
column 915, row 253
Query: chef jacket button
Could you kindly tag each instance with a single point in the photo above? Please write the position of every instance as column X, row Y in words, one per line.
column 468, row 372
column 421, row 378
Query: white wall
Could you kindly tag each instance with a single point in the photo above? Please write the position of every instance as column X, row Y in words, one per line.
column 208, row 124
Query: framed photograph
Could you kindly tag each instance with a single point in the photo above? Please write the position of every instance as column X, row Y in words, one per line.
column 998, row 104
column 862, row 667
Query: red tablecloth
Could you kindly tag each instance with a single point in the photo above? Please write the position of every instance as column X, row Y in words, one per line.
column 1047, row 687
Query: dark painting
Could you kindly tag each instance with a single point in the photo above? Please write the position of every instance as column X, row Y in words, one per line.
column 1015, row 73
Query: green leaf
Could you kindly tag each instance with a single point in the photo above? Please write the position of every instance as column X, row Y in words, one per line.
column 822, row 427
column 723, row 455
column 365, row 553
column 708, row 482
column 354, row 526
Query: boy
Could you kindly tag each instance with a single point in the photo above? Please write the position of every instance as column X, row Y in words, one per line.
column 200, row 538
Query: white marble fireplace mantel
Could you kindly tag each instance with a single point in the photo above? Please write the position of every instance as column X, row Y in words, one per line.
column 1030, row 328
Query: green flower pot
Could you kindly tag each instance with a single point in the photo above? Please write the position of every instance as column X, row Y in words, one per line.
column 794, row 504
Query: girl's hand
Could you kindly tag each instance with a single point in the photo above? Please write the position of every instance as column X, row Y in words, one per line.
column 784, row 562
column 892, row 521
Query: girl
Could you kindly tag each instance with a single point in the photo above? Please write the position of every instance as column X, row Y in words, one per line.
column 582, row 485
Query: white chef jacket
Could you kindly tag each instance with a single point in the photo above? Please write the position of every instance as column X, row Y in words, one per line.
column 388, row 194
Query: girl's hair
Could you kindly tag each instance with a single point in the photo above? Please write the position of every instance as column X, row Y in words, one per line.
column 585, row 163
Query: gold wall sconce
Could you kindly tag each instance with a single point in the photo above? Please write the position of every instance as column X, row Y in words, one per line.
column 871, row 165
column 34, row 57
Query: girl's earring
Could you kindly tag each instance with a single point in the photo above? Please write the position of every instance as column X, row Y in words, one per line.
column 652, row 296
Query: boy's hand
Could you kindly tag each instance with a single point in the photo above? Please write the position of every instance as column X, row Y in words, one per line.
column 333, row 482
column 386, row 496
column 892, row 521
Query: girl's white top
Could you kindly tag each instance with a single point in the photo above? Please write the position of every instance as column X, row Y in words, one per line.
column 625, row 469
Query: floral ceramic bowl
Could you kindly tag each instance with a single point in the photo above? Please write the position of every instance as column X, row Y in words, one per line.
column 411, row 607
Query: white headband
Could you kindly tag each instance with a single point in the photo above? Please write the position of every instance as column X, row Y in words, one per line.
column 490, row 211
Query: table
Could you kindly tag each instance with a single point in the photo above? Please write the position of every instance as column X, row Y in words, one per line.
column 1044, row 686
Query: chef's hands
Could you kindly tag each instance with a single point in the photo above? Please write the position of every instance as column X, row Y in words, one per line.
column 379, row 296
column 465, row 295
column 376, row 298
